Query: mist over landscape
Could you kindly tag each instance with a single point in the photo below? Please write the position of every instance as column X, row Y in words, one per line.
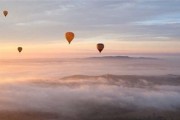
column 90, row 60
column 107, row 88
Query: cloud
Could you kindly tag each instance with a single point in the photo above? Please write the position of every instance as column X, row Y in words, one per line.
column 38, row 23
column 152, row 19
column 90, row 97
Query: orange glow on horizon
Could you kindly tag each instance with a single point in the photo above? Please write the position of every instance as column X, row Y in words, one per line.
column 80, row 49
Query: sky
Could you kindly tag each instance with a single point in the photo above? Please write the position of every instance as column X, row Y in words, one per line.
column 124, row 26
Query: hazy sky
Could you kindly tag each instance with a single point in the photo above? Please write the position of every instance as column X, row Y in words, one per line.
column 125, row 26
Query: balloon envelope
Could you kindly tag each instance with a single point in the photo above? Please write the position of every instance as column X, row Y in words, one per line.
column 100, row 47
column 5, row 12
column 69, row 36
column 19, row 49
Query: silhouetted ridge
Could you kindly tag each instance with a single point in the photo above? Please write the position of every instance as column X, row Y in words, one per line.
column 139, row 81
column 127, row 80
column 121, row 57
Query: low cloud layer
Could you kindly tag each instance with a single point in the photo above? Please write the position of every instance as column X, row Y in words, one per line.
column 46, row 89
column 85, row 98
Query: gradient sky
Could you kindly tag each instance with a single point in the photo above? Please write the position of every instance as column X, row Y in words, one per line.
column 125, row 26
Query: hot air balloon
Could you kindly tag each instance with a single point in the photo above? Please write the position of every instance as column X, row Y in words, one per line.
column 19, row 49
column 5, row 12
column 69, row 36
column 100, row 47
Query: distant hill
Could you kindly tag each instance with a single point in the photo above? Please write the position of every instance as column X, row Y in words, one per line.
column 121, row 57
column 116, row 80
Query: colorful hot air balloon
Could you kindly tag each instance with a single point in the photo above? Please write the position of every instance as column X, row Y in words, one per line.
column 20, row 49
column 5, row 12
column 100, row 47
column 69, row 36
